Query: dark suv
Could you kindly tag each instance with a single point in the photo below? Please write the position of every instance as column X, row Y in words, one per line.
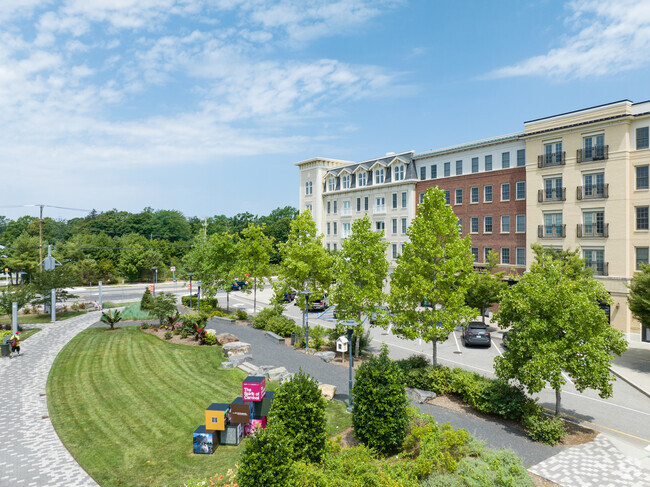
column 475, row 333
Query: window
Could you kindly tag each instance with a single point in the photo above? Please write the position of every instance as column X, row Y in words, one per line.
column 308, row 188
column 380, row 205
column 346, row 181
column 335, row 247
column 328, row 228
column 475, row 167
column 447, row 169
column 488, row 163
column 553, row 224
column 505, row 223
column 595, row 258
column 505, row 255
column 379, row 176
column 553, row 189
column 362, row 178
column 394, row 201
column 594, row 185
column 335, row 203
column 474, row 251
column 379, row 226
column 505, row 160
column 365, row 203
column 394, row 251
column 486, row 253
column 309, row 207
column 334, row 228
column 642, row 177
column 402, row 249
column 460, row 225
column 423, row 173
column 473, row 224
column 394, row 226
column 346, row 208
column 521, row 224
column 487, row 224
column 346, row 230
column 521, row 190
column 434, row 171
column 553, row 153
column 329, row 207
column 641, row 257
column 459, row 196
column 399, row 173
column 593, row 147
column 328, row 246
column 447, row 197
column 421, row 197
column 641, row 217
column 404, row 199
column 487, row 193
column 521, row 157
column 331, row 184
column 505, row 192
column 459, row 168
column 474, row 194
column 404, row 226
column 520, row 256
column 642, row 138
column 594, row 225
column 358, row 204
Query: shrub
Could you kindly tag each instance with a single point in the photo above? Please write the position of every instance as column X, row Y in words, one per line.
column 266, row 459
column 217, row 313
column 184, row 333
column 264, row 315
column 545, row 429
column 436, row 378
column 359, row 334
column 185, row 301
column 316, row 335
column 414, row 362
column 241, row 314
column 210, row 339
column 177, row 331
column 5, row 333
column 380, row 404
column 133, row 312
column 146, row 303
column 168, row 335
column 144, row 325
column 299, row 408
column 281, row 325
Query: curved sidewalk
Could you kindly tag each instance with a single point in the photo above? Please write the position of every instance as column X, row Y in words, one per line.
column 31, row 453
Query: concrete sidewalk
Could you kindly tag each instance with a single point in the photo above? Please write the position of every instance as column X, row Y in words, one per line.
column 633, row 366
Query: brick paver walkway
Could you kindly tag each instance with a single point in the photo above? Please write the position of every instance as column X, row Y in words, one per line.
column 31, row 453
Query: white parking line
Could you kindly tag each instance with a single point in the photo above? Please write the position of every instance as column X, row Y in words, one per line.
column 456, row 340
column 496, row 346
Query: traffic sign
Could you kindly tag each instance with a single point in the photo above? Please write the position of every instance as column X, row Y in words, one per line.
column 173, row 268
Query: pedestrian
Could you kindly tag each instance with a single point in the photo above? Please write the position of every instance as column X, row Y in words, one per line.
column 14, row 341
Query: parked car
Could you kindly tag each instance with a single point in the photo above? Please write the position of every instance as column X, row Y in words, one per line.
column 289, row 296
column 318, row 303
column 475, row 333
column 239, row 286
column 379, row 310
column 507, row 336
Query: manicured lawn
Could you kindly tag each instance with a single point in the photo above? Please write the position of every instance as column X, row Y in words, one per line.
column 125, row 403
column 25, row 334
column 42, row 318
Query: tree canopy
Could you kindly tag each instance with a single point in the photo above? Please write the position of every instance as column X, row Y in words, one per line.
column 639, row 298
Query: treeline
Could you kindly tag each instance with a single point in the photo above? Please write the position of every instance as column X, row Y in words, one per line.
column 115, row 245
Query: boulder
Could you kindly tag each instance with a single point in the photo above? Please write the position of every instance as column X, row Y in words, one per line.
column 286, row 377
column 247, row 367
column 327, row 391
column 234, row 348
column 419, row 395
column 228, row 365
column 276, row 373
column 240, row 358
column 325, row 356
column 223, row 338
column 263, row 370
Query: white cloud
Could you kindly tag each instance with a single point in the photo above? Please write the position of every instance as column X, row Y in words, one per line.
column 610, row 36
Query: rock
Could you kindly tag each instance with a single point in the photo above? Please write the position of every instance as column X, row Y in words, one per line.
column 325, row 356
column 247, row 367
column 419, row 395
column 223, row 338
column 240, row 358
column 286, row 377
column 228, row 365
column 276, row 373
column 234, row 348
column 327, row 391
column 263, row 370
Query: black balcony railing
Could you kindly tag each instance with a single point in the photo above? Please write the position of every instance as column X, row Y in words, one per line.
column 553, row 159
column 555, row 194
column 597, row 153
column 593, row 192
column 600, row 268
column 598, row 230
column 551, row 231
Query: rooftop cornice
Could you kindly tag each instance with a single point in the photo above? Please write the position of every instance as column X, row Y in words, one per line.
column 469, row 145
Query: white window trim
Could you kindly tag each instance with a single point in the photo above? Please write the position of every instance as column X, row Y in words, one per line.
column 501, row 225
column 509, row 192
column 516, row 197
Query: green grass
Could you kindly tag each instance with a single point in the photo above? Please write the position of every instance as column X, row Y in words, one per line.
column 338, row 418
column 41, row 318
column 125, row 404
column 110, row 304
column 132, row 312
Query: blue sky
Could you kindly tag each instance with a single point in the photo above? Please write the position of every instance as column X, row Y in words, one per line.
column 205, row 106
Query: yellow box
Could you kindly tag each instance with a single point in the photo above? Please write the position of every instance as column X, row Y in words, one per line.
column 217, row 416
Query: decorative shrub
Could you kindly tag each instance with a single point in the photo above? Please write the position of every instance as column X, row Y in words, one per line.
column 413, row 362
column 210, row 339
column 168, row 335
column 316, row 335
column 281, row 325
column 185, row 301
column 144, row 325
column 267, row 459
column 184, row 333
column 260, row 320
column 241, row 314
column 133, row 312
column 545, row 429
column 299, row 408
column 380, row 404
column 432, row 378
column 146, row 303
column 5, row 333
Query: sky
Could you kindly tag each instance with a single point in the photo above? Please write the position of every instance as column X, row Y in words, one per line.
column 204, row 106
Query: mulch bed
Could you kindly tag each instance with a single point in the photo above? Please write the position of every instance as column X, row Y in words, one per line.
column 176, row 339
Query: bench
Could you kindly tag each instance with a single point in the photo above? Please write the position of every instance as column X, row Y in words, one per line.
column 275, row 337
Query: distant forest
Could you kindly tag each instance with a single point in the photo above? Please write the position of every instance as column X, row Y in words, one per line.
column 117, row 245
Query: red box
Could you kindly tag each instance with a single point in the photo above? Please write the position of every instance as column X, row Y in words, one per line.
column 258, row 423
column 253, row 388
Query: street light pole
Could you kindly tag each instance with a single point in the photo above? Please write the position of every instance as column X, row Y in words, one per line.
column 199, row 296
column 306, row 293
column 154, row 274
column 350, row 325
column 190, row 274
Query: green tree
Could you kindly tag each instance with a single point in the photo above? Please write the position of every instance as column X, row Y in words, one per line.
column 558, row 328
column 360, row 269
column 305, row 262
column 60, row 278
column 137, row 258
column 146, row 302
column 21, row 295
column 486, row 286
column 266, row 460
column 111, row 318
column 22, row 254
column 254, row 253
column 436, row 267
column 164, row 305
column 379, row 415
column 639, row 297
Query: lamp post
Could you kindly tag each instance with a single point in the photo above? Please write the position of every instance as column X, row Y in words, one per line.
column 306, row 294
column 199, row 295
column 190, row 274
column 154, row 275
column 350, row 326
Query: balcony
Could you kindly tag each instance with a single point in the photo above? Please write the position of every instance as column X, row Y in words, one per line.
column 598, row 153
column 549, row 160
column 550, row 195
column 551, row 231
column 599, row 268
column 593, row 231
column 596, row 192
column 379, row 209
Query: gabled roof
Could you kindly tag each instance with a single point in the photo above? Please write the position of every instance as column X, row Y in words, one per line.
column 370, row 164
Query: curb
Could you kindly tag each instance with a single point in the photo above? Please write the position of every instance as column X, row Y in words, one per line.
column 630, row 382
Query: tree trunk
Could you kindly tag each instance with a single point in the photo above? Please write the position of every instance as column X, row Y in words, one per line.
column 434, row 358
column 557, row 402
column 254, row 294
column 227, row 301
column 483, row 314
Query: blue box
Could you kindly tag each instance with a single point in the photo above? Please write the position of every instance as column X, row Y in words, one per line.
column 204, row 441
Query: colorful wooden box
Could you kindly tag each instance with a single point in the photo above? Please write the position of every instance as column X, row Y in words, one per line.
column 258, row 423
column 241, row 412
column 232, row 435
column 205, row 441
column 263, row 407
column 253, row 388
column 217, row 416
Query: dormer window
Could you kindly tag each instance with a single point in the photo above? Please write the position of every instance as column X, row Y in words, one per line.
column 361, row 178
column 346, row 181
column 399, row 173
column 331, row 184
column 379, row 176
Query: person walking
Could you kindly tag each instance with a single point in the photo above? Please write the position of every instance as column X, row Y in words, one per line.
column 14, row 341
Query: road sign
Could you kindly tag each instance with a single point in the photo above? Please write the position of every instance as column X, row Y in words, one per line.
column 173, row 268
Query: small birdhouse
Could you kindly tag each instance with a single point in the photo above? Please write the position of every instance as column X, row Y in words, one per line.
column 341, row 344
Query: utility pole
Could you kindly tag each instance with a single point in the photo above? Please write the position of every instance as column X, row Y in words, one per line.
column 40, row 239
column 205, row 229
